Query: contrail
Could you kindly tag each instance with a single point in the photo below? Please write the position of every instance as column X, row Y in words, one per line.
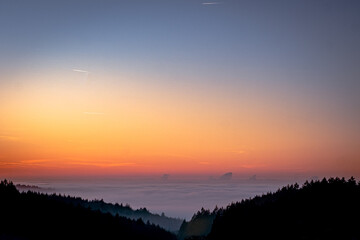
column 84, row 72
column 211, row 3
column 81, row 71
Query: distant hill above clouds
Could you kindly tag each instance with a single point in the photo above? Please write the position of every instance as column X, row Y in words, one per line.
column 25, row 187
column 226, row 176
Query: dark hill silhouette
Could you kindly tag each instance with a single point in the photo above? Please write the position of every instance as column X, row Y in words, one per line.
column 31, row 215
column 169, row 224
column 327, row 209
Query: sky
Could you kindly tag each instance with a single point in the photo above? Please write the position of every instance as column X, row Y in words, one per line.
column 179, row 87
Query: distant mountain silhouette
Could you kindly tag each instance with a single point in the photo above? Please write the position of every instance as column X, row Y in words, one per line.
column 326, row 209
column 226, row 176
column 165, row 177
column 27, row 187
column 31, row 215
column 34, row 188
column 252, row 178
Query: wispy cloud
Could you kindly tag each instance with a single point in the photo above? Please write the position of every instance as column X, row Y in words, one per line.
column 94, row 113
column 84, row 73
column 31, row 161
column 64, row 163
column 211, row 3
column 27, row 163
column 8, row 138
column 81, row 71
column 9, row 164
column 103, row 165
column 178, row 156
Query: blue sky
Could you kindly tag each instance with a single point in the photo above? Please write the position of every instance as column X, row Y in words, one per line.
column 299, row 59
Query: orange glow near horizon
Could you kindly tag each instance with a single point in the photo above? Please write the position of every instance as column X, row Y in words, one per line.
column 81, row 127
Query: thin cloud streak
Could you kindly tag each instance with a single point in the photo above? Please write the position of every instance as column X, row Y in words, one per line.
column 212, row 3
column 81, row 71
column 9, row 138
column 104, row 165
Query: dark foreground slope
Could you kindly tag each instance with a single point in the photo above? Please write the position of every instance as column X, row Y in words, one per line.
column 169, row 224
column 37, row 216
column 327, row 209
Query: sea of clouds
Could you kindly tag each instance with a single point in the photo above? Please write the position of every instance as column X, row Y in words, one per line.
column 175, row 197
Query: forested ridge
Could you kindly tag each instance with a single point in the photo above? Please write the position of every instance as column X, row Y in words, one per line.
column 168, row 223
column 31, row 215
column 323, row 209
column 326, row 209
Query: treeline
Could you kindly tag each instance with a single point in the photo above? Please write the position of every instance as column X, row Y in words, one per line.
column 322, row 209
column 169, row 224
column 30, row 215
column 326, row 209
